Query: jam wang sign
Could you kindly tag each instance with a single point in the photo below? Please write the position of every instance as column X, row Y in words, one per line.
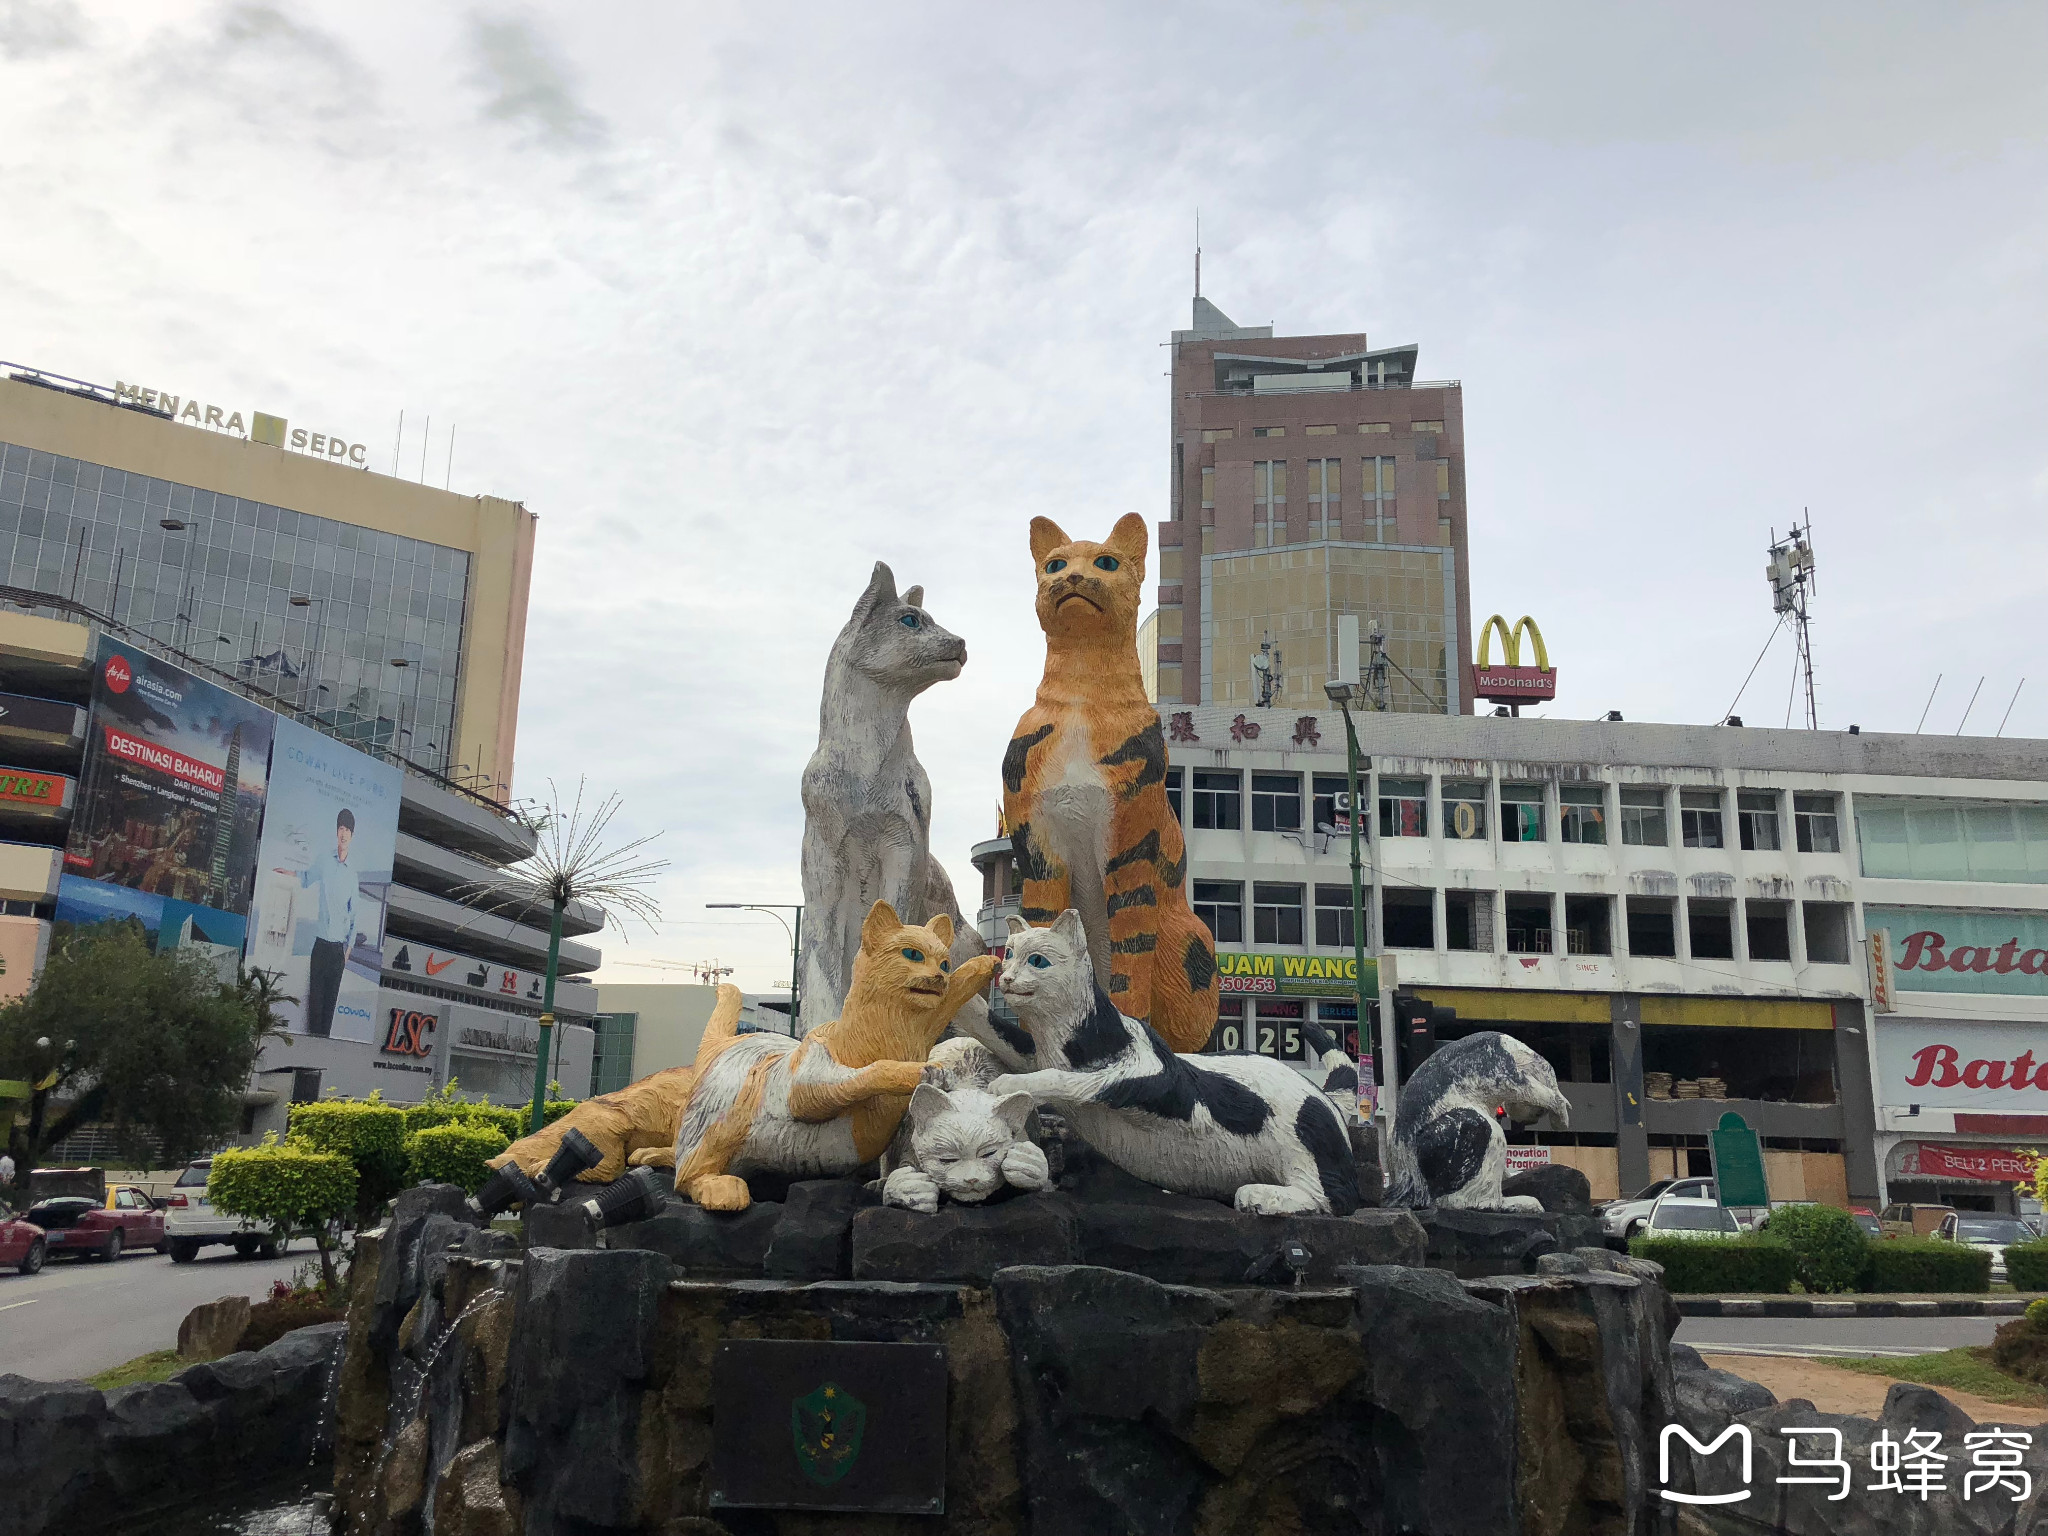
column 1933, row 951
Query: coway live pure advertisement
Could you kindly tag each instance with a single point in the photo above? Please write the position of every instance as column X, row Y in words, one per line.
column 329, row 841
column 170, row 805
column 1949, row 951
column 1997, row 1068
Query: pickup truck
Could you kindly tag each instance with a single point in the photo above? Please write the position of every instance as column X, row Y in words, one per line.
column 125, row 1217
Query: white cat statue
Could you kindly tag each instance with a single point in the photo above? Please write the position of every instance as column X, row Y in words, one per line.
column 965, row 1143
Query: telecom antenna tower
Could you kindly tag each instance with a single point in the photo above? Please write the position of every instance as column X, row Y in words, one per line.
column 1791, row 576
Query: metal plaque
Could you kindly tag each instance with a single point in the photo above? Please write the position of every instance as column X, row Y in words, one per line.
column 855, row 1427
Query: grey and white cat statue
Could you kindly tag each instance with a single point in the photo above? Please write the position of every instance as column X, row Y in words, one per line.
column 964, row 1143
column 1245, row 1129
column 1448, row 1149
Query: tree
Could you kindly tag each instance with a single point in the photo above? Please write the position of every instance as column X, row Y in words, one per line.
column 152, row 1045
column 260, row 991
column 290, row 1188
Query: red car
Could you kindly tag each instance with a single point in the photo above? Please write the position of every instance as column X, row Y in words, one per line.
column 128, row 1218
column 21, row 1245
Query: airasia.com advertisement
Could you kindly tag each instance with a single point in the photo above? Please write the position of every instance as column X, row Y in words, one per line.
column 1999, row 1068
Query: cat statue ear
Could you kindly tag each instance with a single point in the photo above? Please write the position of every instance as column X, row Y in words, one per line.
column 914, row 597
column 928, row 1101
column 1068, row 926
column 1047, row 536
column 1016, row 925
column 881, row 592
column 1012, row 1109
column 879, row 928
column 1129, row 537
column 942, row 925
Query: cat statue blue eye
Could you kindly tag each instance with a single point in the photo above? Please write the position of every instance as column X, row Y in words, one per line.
column 1038, row 962
column 1055, row 565
column 914, row 956
column 908, row 621
column 1106, row 562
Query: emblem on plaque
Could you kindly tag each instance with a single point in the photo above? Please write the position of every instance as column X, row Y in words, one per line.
column 826, row 1425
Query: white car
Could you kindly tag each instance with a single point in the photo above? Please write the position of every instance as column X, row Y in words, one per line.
column 1993, row 1232
column 191, row 1223
column 1625, row 1218
column 1689, row 1217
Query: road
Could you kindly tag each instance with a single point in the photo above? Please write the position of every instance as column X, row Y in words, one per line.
column 1834, row 1335
column 79, row 1316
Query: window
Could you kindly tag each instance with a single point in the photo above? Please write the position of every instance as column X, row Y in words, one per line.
column 1328, row 787
column 1276, row 1028
column 1404, row 808
column 1228, row 1037
column 1333, row 917
column 1827, row 932
column 1320, row 432
column 1276, row 802
column 1220, row 904
column 1528, row 923
column 1468, row 920
column 1588, row 925
column 1710, row 928
column 1208, row 487
column 1582, row 813
column 1276, row 913
column 1173, row 791
column 1376, row 489
column 1325, row 494
column 1269, row 501
column 1926, row 839
column 1425, row 426
column 1216, row 799
column 1269, row 431
column 1371, row 428
column 1756, row 818
column 1407, row 918
column 1699, row 817
column 1465, row 809
column 1521, row 814
column 1769, row 928
column 1814, row 823
column 1218, row 434
column 1642, row 816
column 1653, row 927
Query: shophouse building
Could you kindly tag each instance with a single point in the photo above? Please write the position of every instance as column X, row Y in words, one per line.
column 1674, row 916
column 225, row 554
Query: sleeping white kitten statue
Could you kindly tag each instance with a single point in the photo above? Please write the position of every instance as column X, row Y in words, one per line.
column 964, row 1143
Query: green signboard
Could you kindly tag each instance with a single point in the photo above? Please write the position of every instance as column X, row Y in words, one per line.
column 1738, row 1163
column 1244, row 973
column 1950, row 951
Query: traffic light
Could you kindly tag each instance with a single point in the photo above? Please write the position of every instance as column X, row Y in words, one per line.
column 1419, row 1022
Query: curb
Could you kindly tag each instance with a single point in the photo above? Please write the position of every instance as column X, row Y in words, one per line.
column 1837, row 1306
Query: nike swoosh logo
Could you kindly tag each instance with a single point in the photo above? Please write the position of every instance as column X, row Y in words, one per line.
column 435, row 970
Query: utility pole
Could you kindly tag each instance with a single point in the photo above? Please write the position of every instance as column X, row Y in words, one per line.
column 1343, row 692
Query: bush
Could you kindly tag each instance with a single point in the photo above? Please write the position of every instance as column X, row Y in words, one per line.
column 1697, row 1264
column 369, row 1133
column 289, row 1188
column 1828, row 1248
column 1925, row 1264
column 2026, row 1266
column 453, row 1154
column 445, row 1108
column 2037, row 1314
column 552, row 1110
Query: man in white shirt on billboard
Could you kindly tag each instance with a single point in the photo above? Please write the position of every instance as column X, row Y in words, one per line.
column 334, row 930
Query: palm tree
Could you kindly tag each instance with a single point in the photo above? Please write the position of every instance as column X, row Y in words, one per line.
column 259, row 991
column 571, row 863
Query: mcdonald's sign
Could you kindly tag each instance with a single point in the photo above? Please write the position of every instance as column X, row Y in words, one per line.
column 1513, row 683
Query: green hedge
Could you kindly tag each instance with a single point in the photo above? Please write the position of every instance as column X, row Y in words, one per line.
column 1925, row 1264
column 2026, row 1266
column 369, row 1133
column 453, row 1154
column 1828, row 1248
column 508, row 1122
column 1718, row 1264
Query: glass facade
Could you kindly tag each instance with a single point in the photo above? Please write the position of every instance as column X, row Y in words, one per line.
column 611, row 1054
column 1925, row 839
column 221, row 588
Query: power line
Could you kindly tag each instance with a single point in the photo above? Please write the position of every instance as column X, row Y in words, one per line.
column 1730, row 710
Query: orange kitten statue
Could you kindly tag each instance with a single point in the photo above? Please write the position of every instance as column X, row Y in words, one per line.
column 823, row 1106
column 1084, row 791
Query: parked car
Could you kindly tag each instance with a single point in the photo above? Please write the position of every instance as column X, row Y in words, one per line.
column 1986, row 1231
column 193, row 1223
column 125, row 1218
column 22, row 1245
column 1626, row 1218
column 1690, row 1216
column 1866, row 1218
column 1913, row 1220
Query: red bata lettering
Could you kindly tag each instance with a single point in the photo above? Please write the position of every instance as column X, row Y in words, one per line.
column 1928, row 950
column 1935, row 1066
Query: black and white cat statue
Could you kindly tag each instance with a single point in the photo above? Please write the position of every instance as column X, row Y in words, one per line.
column 1245, row 1129
column 1448, row 1150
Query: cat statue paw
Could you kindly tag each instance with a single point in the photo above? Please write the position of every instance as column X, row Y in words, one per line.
column 965, row 1144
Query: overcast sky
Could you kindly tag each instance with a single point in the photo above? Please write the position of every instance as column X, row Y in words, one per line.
column 740, row 299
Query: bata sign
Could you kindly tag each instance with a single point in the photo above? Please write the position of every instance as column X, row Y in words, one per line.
column 1936, row 951
column 1998, row 1067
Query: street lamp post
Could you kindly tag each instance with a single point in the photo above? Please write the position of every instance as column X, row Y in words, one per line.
column 796, row 939
column 1343, row 692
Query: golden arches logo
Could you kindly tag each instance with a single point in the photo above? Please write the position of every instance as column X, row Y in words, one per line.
column 1511, row 641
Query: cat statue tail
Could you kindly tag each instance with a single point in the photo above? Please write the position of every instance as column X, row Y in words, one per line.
column 722, row 1028
column 1340, row 1072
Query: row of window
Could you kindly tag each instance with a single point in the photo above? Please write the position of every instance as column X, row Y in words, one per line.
column 1326, row 429
column 1527, row 922
column 1463, row 806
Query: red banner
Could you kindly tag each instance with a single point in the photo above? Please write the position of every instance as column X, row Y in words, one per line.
column 147, row 754
column 1993, row 1164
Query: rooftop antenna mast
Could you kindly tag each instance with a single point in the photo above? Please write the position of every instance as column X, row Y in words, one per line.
column 1791, row 576
column 1198, row 253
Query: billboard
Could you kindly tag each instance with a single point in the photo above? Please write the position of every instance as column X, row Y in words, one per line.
column 2002, row 1068
column 170, row 804
column 330, row 835
column 1949, row 951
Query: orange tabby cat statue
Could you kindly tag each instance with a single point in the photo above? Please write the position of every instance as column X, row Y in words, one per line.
column 1084, row 791
column 823, row 1106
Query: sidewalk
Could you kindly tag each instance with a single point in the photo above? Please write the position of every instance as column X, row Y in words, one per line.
column 2003, row 1304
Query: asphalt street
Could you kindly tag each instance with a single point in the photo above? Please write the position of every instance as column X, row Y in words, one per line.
column 80, row 1316
column 1834, row 1335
